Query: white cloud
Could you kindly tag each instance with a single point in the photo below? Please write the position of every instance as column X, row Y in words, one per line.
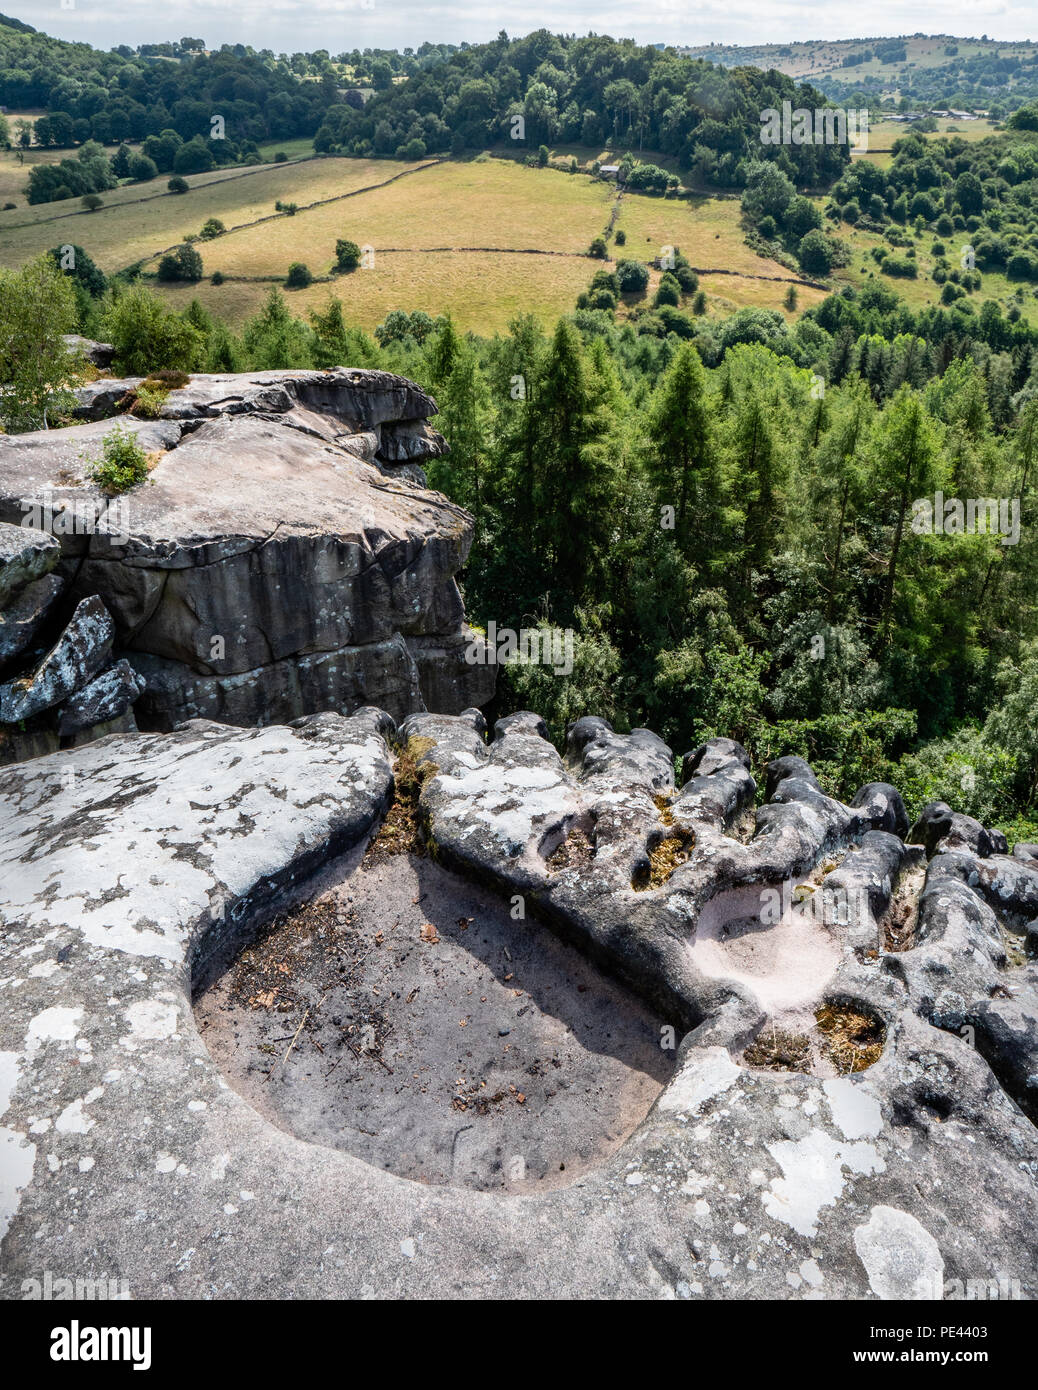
column 291, row 25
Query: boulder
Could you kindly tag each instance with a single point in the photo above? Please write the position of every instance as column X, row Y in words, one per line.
column 97, row 354
column 26, row 554
column 70, row 665
column 939, row 828
column 106, row 698
column 25, row 614
column 275, row 562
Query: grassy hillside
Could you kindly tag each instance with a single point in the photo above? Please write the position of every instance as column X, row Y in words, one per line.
column 930, row 61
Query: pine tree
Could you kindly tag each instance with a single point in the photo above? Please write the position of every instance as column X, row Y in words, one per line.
column 681, row 457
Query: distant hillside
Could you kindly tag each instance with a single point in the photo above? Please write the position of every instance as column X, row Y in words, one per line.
column 16, row 24
column 919, row 69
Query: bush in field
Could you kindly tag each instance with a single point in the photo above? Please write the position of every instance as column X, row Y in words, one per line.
column 182, row 264
column 632, row 276
column 142, row 168
column 347, row 254
column 298, row 277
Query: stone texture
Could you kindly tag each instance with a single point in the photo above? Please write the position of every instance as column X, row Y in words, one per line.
column 70, row 665
column 97, row 354
column 275, row 563
column 141, row 1162
column 24, row 615
column 25, row 555
column 105, row 699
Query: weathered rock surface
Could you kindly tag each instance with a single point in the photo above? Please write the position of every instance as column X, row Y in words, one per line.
column 276, row 562
column 97, row 354
column 70, row 665
column 140, row 1162
column 107, row 697
column 25, row 555
column 21, row 620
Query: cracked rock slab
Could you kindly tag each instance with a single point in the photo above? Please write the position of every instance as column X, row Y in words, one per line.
column 274, row 529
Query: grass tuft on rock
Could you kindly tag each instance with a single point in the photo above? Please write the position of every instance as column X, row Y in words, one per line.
column 852, row 1040
column 779, row 1050
column 401, row 831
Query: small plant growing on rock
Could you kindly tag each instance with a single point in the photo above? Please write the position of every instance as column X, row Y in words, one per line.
column 123, row 463
column 146, row 401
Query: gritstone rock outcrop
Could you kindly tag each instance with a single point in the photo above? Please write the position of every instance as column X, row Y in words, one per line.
column 283, row 557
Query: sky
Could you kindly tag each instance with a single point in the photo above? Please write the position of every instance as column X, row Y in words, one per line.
column 337, row 25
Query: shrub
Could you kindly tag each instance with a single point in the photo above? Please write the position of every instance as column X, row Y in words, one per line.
column 148, row 401
column 147, row 335
column 183, row 264
column 194, row 158
column 815, row 253
column 668, row 291
column 298, row 276
column 216, row 278
column 178, row 185
column 900, row 266
column 123, row 463
column 598, row 249
column 211, row 228
column 142, row 168
column 92, row 201
column 621, row 238
column 632, row 277
column 347, row 254
column 281, row 157
column 674, row 321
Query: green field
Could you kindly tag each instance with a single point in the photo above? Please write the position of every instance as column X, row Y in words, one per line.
column 483, row 238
